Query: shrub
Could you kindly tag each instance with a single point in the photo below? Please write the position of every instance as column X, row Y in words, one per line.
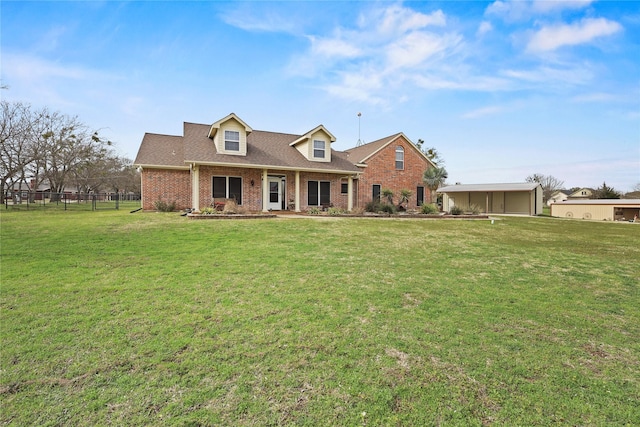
column 208, row 211
column 336, row 211
column 372, row 206
column 429, row 209
column 314, row 211
column 388, row 194
column 404, row 197
column 456, row 210
column 230, row 207
column 163, row 206
column 474, row 209
column 357, row 211
column 387, row 208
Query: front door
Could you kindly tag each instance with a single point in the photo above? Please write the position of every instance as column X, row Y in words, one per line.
column 275, row 193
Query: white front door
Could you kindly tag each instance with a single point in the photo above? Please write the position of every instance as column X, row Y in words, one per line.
column 275, row 193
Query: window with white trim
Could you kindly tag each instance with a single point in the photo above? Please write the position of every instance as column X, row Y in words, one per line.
column 231, row 140
column 399, row 158
column 227, row 187
column 319, row 193
column 319, row 148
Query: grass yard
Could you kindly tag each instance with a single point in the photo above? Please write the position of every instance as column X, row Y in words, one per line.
column 152, row 319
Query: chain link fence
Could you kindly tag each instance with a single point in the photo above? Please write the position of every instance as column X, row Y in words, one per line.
column 25, row 200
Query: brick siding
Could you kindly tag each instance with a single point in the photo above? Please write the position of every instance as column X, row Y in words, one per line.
column 166, row 185
column 382, row 170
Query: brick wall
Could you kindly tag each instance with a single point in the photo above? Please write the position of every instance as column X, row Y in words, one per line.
column 382, row 170
column 175, row 186
column 252, row 194
column 166, row 185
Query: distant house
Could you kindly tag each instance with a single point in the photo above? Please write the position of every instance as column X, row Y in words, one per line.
column 272, row 171
column 393, row 163
column 518, row 198
column 581, row 193
column 600, row 209
column 558, row 196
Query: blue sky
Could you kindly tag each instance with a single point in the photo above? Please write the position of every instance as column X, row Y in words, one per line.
column 502, row 89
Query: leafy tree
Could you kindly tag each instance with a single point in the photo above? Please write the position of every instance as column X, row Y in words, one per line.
column 549, row 183
column 606, row 192
column 433, row 178
column 431, row 153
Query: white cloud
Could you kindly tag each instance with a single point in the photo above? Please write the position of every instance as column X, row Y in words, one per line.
column 553, row 37
column 549, row 76
column 484, row 28
column 450, row 80
column 546, row 6
column 416, row 47
column 519, row 10
column 333, row 47
column 397, row 20
column 266, row 21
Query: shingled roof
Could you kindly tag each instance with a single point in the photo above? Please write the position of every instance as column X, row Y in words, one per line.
column 264, row 149
column 161, row 150
column 362, row 153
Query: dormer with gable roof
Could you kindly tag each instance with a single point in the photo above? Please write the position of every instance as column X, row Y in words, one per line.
column 315, row 145
column 229, row 135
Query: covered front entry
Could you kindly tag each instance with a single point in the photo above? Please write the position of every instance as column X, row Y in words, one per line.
column 276, row 187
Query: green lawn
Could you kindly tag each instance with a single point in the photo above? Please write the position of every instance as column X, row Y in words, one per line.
column 115, row 318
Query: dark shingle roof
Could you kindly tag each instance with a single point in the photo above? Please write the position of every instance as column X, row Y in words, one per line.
column 165, row 150
column 362, row 153
column 264, row 148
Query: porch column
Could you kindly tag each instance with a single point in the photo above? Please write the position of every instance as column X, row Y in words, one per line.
column 487, row 204
column 195, row 186
column 350, row 193
column 265, row 191
column 297, row 191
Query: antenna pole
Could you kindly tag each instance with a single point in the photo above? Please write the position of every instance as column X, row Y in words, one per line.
column 359, row 143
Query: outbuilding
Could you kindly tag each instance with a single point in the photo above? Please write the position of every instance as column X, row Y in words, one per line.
column 600, row 209
column 523, row 198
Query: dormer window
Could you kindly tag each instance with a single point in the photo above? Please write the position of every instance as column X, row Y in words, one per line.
column 399, row 158
column 231, row 140
column 319, row 149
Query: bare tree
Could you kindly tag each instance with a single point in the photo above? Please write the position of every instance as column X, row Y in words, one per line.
column 549, row 183
column 18, row 125
column 43, row 146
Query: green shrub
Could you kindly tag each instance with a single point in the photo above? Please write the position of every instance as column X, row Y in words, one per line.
column 208, row 211
column 372, row 206
column 314, row 211
column 388, row 194
column 387, row 208
column 336, row 211
column 163, row 206
column 429, row 209
column 456, row 210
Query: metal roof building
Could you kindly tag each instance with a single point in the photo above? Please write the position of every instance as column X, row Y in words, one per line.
column 524, row 198
column 600, row 209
